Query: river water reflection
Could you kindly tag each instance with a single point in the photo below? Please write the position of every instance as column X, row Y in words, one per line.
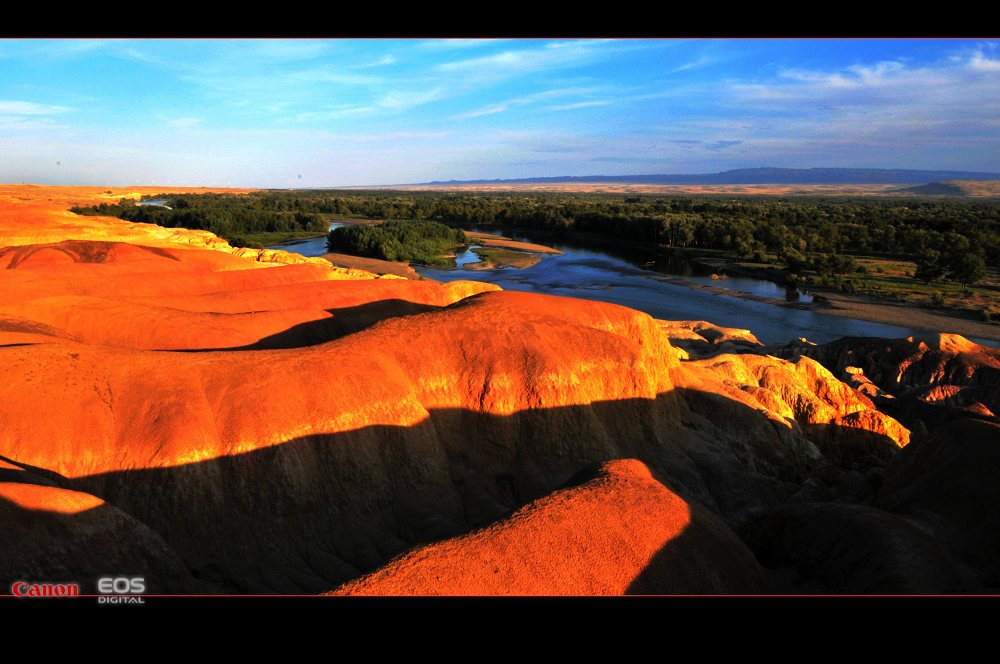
column 652, row 284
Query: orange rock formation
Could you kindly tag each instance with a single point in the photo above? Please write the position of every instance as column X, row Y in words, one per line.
column 273, row 424
column 620, row 532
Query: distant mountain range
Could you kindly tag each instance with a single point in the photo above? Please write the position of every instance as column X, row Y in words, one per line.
column 764, row 176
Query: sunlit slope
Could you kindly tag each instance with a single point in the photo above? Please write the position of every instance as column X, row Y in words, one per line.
column 290, row 427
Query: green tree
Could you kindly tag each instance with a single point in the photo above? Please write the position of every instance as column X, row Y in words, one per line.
column 930, row 267
column 968, row 268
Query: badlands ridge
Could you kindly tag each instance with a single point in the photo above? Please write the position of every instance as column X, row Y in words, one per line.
column 224, row 420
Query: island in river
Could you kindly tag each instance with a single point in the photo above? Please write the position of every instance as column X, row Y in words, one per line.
column 484, row 251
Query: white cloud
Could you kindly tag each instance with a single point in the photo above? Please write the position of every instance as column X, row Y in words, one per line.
column 697, row 63
column 579, row 104
column 384, row 61
column 553, row 55
column 981, row 62
column 486, row 110
column 943, row 90
column 554, row 93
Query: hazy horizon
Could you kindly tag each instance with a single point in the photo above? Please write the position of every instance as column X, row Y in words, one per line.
column 360, row 112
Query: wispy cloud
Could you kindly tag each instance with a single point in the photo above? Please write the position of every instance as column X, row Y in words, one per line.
column 486, row 110
column 14, row 107
column 27, row 115
column 576, row 105
column 384, row 61
column 398, row 101
column 553, row 55
column 526, row 100
column 697, row 63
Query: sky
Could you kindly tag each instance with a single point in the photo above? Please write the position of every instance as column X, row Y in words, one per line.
column 351, row 112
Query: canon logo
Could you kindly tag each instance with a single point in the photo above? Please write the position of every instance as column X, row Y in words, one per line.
column 26, row 589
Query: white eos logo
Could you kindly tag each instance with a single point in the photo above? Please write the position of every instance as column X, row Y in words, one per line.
column 121, row 589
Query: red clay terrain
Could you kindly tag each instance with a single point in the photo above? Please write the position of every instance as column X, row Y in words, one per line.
column 620, row 532
column 227, row 420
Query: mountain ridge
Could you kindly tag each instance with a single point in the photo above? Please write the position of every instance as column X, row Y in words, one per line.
column 765, row 175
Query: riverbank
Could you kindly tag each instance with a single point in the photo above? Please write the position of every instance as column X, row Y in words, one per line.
column 900, row 313
column 863, row 308
column 867, row 307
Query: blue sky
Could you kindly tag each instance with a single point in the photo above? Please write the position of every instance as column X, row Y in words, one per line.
column 312, row 113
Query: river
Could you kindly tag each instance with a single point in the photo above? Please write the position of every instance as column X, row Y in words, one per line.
column 647, row 282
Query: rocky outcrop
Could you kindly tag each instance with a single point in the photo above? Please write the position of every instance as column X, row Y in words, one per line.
column 702, row 339
column 621, row 531
column 924, row 381
column 805, row 398
column 899, row 364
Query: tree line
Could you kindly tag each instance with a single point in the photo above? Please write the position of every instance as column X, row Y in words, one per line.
column 806, row 233
column 224, row 215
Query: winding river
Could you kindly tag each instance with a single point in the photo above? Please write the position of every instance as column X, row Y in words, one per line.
column 653, row 284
